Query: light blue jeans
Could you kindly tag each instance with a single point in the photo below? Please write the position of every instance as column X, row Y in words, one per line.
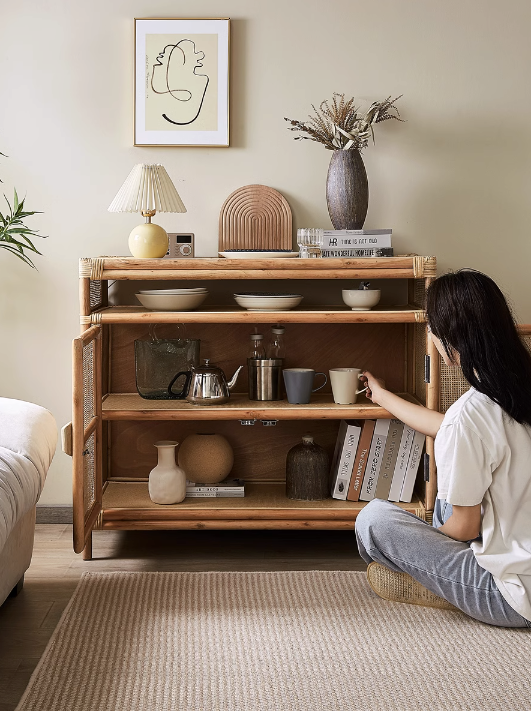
column 405, row 543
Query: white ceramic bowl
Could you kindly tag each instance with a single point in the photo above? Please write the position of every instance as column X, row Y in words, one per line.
column 361, row 300
column 199, row 290
column 268, row 303
column 172, row 302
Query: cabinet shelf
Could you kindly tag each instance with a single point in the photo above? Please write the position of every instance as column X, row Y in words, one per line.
column 127, row 268
column 126, row 505
column 130, row 406
column 234, row 314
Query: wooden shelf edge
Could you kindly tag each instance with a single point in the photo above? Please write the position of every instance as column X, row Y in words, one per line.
column 130, row 406
column 138, row 315
column 217, row 525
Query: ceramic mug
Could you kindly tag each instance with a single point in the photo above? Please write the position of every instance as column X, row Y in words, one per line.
column 344, row 385
column 299, row 384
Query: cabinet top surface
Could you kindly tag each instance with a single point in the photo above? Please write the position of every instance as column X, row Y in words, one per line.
column 400, row 267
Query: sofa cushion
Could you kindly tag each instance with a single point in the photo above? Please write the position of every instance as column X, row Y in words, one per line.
column 28, row 437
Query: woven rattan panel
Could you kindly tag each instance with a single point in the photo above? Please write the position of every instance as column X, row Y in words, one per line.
column 96, row 295
column 89, row 473
column 419, row 293
column 453, row 385
column 419, row 355
column 88, row 383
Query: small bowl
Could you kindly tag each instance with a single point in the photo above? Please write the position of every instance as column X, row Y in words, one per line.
column 360, row 299
column 172, row 302
column 268, row 303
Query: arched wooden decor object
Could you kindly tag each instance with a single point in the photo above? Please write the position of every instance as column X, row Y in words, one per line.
column 255, row 217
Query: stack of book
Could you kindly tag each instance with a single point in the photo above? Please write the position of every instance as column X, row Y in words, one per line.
column 234, row 488
column 376, row 459
column 357, row 243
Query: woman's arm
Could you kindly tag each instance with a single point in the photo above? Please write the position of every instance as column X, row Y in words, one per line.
column 464, row 524
column 420, row 418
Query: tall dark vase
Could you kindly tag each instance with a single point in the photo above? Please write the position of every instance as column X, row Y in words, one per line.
column 347, row 190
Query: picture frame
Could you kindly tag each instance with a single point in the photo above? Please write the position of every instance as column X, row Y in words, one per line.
column 182, row 82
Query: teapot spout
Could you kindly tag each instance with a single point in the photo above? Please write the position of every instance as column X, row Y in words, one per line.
column 232, row 381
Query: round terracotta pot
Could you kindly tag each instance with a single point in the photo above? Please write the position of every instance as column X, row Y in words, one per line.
column 206, row 458
column 347, row 190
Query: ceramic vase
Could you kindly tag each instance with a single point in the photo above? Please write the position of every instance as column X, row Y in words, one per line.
column 167, row 481
column 307, row 471
column 206, row 458
column 347, row 190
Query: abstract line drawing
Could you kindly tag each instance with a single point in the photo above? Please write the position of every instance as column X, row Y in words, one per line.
column 175, row 74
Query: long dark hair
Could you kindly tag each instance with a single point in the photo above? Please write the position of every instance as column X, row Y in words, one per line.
column 469, row 314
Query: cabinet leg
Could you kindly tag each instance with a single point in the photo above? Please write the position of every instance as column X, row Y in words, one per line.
column 87, row 550
column 18, row 588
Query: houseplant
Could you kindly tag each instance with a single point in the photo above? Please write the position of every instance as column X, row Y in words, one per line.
column 15, row 235
column 342, row 128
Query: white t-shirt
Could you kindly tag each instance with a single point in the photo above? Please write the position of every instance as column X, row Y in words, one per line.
column 483, row 456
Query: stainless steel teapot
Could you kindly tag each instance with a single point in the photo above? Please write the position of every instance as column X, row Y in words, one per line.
column 204, row 385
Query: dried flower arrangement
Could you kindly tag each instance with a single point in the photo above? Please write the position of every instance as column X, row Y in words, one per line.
column 339, row 125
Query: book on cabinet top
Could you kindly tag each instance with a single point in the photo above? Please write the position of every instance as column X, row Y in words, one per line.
column 357, row 239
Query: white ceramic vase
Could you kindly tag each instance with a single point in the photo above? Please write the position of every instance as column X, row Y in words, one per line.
column 167, row 481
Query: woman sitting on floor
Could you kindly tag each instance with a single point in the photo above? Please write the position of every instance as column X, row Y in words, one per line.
column 477, row 555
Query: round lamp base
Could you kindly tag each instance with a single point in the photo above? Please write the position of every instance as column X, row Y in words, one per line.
column 148, row 241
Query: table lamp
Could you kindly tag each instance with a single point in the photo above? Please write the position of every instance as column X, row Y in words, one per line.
column 148, row 189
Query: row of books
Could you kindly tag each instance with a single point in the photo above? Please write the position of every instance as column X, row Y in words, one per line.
column 376, row 459
column 357, row 243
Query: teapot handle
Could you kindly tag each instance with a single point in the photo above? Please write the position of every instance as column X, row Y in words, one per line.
column 185, row 388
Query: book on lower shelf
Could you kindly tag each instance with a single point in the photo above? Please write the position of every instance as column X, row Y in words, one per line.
column 343, row 459
column 389, row 458
column 227, row 489
column 376, row 459
column 360, row 462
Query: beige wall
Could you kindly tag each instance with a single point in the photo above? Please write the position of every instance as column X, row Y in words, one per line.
column 453, row 181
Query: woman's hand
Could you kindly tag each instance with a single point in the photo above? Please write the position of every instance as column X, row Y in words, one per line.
column 375, row 386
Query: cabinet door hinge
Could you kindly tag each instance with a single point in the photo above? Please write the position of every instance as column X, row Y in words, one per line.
column 426, row 467
column 427, row 368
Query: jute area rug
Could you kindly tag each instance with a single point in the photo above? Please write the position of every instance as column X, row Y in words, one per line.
column 295, row 641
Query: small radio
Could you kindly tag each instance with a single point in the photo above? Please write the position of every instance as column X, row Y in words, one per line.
column 181, row 245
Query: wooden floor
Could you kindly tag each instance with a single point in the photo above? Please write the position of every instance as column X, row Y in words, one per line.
column 27, row 621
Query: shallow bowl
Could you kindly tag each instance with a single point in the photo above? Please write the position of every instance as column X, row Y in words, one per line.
column 361, row 300
column 268, row 303
column 172, row 302
column 156, row 292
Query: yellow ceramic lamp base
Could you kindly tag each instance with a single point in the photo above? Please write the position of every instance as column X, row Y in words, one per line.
column 148, row 241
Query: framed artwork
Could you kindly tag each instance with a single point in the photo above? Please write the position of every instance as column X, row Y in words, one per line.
column 182, row 82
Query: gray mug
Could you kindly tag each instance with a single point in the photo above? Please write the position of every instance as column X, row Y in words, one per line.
column 299, row 384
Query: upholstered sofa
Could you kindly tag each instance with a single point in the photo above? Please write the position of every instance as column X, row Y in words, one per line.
column 28, row 437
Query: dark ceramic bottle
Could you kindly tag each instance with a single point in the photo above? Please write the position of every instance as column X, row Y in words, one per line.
column 307, row 471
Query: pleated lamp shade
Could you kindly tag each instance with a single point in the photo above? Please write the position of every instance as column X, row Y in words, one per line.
column 146, row 189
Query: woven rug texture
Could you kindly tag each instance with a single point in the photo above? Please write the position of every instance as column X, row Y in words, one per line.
column 292, row 641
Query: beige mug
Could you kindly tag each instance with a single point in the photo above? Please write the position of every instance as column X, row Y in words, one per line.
column 344, row 385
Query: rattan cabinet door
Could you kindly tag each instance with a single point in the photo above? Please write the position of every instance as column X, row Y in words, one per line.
column 87, row 433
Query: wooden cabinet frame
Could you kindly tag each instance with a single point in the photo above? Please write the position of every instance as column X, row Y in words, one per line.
column 103, row 500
